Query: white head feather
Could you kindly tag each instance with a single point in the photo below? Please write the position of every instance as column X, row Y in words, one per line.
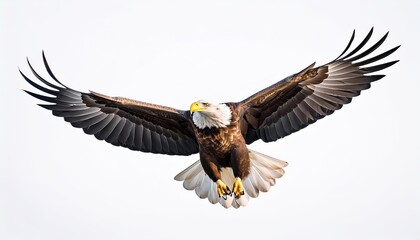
column 214, row 115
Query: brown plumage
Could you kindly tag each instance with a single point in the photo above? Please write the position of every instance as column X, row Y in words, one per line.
column 220, row 136
column 223, row 147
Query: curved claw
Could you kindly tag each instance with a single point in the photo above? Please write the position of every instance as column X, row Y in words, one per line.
column 222, row 189
column 238, row 188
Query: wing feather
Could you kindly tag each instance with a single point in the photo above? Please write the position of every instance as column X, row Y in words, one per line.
column 378, row 57
column 97, row 127
column 109, row 128
column 303, row 98
column 116, row 132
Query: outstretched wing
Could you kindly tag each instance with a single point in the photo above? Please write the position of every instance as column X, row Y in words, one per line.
column 301, row 99
column 120, row 121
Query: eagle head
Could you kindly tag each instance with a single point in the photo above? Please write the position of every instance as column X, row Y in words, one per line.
column 208, row 115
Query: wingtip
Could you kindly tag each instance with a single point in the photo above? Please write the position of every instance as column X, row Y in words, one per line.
column 23, row 75
column 45, row 106
column 379, row 67
column 348, row 45
column 44, row 58
column 49, row 70
column 27, row 60
column 30, row 65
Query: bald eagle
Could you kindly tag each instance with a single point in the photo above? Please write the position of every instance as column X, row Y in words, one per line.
column 228, row 172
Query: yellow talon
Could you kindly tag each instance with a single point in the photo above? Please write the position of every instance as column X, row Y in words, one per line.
column 238, row 188
column 222, row 189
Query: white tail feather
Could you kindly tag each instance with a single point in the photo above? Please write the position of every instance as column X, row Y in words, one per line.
column 263, row 173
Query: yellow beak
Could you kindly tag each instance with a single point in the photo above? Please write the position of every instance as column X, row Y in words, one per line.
column 197, row 107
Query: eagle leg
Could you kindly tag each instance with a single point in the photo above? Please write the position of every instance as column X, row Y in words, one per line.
column 238, row 188
column 222, row 189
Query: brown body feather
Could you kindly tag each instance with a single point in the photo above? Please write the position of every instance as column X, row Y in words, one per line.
column 223, row 147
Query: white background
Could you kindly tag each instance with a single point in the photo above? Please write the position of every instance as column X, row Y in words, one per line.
column 352, row 175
